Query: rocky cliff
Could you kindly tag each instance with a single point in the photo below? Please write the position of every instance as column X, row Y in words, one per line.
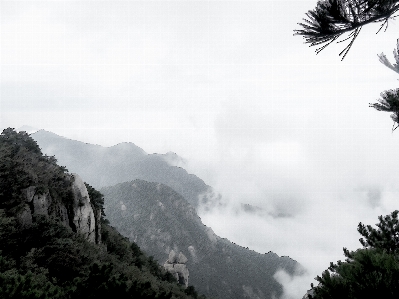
column 79, row 214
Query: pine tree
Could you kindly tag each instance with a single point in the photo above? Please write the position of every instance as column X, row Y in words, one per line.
column 389, row 101
column 331, row 19
column 366, row 273
column 370, row 272
column 386, row 237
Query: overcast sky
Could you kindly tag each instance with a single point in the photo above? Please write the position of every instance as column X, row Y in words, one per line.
column 224, row 84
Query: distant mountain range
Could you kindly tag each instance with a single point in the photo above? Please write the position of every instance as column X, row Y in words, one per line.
column 106, row 166
column 159, row 220
column 153, row 203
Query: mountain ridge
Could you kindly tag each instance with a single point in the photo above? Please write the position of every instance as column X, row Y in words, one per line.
column 159, row 220
column 106, row 166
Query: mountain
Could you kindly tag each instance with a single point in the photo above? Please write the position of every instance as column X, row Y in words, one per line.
column 106, row 166
column 54, row 240
column 159, row 220
column 159, row 214
column 27, row 129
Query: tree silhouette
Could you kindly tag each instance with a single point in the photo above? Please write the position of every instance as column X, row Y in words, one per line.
column 333, row 18
column 386, row 237
column 370, row 272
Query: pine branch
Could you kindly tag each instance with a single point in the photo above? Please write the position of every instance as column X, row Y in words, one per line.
column 384, row 60
column 389, row 102
column 333, row 18
column 386, row 237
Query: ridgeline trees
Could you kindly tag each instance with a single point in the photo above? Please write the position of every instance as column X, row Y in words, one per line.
column 23, row 164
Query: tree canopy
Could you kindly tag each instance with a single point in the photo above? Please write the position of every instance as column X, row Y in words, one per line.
column 372, row 271
column 385, row 237
column 23, row 165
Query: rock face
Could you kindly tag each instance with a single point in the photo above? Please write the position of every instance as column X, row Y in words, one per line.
column 82, row 210
column 79, row 214
column 176, row 265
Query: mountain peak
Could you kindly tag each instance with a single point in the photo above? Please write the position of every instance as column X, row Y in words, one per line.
column 27, row 129
column 130, row 146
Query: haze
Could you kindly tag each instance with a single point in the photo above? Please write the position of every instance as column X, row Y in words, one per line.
column 252, row 110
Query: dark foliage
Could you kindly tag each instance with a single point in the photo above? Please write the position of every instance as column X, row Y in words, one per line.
column 20, row 286
column 17, row 140
column 371, row 272
column 191, row 291
column 386, row 237
column 332, row 18
column 23, row 165
column 389, row 101
column 96, row 198
column 61, row 264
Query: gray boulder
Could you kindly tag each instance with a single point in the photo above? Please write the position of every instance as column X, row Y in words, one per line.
column 172, row 257
column 182, row 259
column 83, row 214
column 79, row 215
column 176, row 266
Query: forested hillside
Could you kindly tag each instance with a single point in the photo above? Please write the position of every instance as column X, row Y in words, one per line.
column 45, row 252
column 159, row 220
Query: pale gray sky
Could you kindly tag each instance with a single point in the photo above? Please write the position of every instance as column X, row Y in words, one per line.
column 224, row 84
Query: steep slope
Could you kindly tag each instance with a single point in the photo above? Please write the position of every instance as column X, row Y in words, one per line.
column 54, row 242
column 107, row 166
column 160, row 220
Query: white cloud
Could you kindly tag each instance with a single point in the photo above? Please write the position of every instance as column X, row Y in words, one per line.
column 294, row 286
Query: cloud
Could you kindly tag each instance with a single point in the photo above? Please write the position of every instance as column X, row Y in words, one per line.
column 309, row 204
column 294, row 286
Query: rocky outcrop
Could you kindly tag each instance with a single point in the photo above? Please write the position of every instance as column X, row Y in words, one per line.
column 79, row 214
column 41, row 203
column 82, row 211
column 176, row 265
